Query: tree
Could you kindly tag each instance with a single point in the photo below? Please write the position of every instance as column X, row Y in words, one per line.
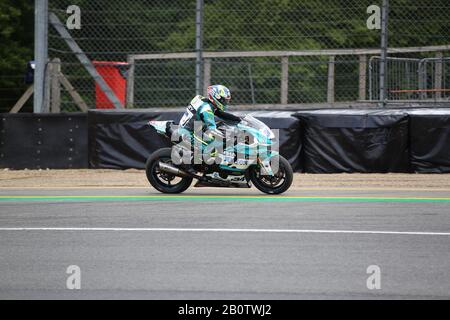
column 16, row 39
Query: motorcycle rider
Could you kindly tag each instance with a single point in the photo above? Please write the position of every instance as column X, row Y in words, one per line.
column 203, row 110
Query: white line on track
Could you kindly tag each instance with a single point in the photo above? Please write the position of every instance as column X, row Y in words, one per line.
column 229, row 230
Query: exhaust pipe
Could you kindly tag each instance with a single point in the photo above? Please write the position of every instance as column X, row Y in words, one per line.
column 173, row 170
column 165, row 167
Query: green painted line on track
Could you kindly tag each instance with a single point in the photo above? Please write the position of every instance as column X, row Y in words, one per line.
column 223, row 198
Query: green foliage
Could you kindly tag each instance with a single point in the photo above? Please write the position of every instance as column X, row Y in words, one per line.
column 16, row 48
column 111, row 29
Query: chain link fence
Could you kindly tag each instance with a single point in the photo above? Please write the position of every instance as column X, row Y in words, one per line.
column 324, row 52
column 113, row 30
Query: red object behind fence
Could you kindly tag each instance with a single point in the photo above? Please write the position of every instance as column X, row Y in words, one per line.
column 113, row 74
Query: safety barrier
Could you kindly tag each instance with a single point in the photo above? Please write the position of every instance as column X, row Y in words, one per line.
column 316, row 141
column 40, row 141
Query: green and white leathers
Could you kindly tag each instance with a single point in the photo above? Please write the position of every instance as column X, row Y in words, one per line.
column 204, row 108
column 198, row 121
column 199, row 109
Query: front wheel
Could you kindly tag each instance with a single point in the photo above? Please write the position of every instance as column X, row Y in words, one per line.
column 163, row 181
column 276, row 184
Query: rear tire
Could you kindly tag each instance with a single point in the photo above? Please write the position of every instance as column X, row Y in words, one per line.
column 276, row 184
column 161, row 181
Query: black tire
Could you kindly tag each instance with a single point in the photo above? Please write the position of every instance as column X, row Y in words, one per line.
column 156, row 178
column 285, row 170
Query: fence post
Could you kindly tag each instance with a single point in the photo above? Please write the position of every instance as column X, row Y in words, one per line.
column 250, row 78
column 73, row 93
column 130, row 83
column 362, row 77
column 40, row 53
column 47, row 86
column 384, row 46
column 284, row 79
column 438, row 76
column 19, row 104
column 198, row 46
column 330, row 90
column 206, row 75
column 421, row 70
column 55, row 106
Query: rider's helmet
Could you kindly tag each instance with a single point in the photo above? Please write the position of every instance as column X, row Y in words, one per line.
column 219, row 96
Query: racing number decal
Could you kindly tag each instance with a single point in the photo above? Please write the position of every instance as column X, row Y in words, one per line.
column 186, row 117
column 191, row 110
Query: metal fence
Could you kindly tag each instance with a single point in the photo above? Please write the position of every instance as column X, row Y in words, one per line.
column 273, row 53
column 412, row 79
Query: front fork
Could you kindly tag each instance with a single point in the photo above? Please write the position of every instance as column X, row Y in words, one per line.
column 268, row 164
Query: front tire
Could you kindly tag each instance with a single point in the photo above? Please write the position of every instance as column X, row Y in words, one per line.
column 163, row 181
column 276, row 184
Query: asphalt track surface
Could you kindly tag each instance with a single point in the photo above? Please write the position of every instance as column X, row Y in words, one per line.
column 134, row 243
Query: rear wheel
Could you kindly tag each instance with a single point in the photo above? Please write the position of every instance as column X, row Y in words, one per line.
column 276, row 184
column 163, row 181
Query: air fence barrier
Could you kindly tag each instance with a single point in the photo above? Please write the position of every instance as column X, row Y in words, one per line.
column 316, row 141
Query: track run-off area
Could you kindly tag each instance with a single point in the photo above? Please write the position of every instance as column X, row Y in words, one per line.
column 316, row 242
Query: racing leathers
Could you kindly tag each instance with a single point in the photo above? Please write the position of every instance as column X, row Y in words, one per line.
column 200, row 109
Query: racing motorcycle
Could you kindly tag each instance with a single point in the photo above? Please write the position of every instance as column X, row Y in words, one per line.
column 241, row 163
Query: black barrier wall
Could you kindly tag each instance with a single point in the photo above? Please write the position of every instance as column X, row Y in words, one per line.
column 355, row 141
column 39, row 141
column 320, row 141
column 123, row 139
column 429, row 132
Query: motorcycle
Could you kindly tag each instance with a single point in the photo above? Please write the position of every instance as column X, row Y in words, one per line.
column 242, row 162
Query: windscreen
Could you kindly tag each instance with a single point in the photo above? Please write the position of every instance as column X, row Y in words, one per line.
column 254, row 123
column 249, row 121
